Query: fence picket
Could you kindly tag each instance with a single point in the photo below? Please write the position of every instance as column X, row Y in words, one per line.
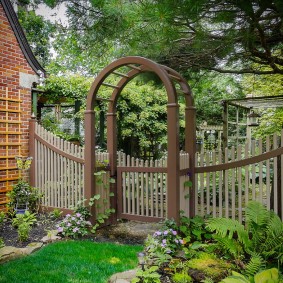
column 239, row 170
column 268, row 184
column 214, row 185
column 220, row 204
column 275, row 176
column 260, row 168
column 226, row 185
column 233, row 196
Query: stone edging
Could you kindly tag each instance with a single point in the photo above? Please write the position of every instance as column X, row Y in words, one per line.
column 8, row 252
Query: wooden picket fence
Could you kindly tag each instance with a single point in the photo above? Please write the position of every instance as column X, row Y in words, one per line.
column 59, row 170
column 227, row 181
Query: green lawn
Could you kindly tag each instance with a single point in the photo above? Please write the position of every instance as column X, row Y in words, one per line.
column 71, row 261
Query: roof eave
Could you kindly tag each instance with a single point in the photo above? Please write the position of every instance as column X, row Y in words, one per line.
column 21, row 38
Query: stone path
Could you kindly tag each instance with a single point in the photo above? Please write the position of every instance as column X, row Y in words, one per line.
column 135, row 229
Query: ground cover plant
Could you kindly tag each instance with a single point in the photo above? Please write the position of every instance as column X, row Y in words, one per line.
column 216, row 250
column 71, row 261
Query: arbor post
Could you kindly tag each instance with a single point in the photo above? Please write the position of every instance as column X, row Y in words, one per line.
column 112, row 150
column 173, row 163
column 90, row 162
column 190, row 147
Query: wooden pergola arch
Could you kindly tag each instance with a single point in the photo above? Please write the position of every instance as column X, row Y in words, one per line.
column 169, row 77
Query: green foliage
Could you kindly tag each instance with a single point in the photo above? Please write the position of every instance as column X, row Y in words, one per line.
column 23, row 193
column 148, row 275
column 26, row 218
column 69, row 86
column 82, row 209
column 191, row 34
column 181, row 278
column 38, row 32
column 2, row 244
column 156, row 251
column 76, row 224
column 210, row 265
column 260, row 240
column 2, row 217
column 73, row 226
column 194, row 229
column 23, row 222
column 103, row 204
column 235, row 278
column 55, row 213
column 265, row 276
column 23, row 231
column 255, row 264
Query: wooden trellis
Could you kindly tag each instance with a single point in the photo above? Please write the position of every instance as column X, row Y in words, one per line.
column 10, row 141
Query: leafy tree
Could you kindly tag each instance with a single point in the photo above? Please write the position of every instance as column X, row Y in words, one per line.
column 226, row 36
column 37, row 30
column 271, row 120
column 209, row 89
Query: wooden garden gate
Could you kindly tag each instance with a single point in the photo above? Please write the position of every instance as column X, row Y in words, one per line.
column 142, row 188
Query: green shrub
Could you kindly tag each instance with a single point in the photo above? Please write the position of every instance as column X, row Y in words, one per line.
column 23, row 231
column 74, row 226
column 23, row 194
column 27, row 217
column 56, row 213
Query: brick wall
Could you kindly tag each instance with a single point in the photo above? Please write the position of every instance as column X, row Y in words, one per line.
column 13, row 66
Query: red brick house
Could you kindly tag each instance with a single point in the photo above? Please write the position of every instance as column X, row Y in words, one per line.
column 19, row 70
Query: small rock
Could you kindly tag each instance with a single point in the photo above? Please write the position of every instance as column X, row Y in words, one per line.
column 33, row 247
column 123, row 277
column 50, row 238
column 7, row 253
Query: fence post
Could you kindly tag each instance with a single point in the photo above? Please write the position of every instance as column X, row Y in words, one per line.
column 32, row 123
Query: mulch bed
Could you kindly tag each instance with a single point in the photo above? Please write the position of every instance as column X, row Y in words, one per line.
column 44, row 224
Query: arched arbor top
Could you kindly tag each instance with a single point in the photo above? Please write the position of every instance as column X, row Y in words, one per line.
column 128, row 68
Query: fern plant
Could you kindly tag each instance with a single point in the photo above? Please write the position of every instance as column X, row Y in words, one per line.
column 259, row 241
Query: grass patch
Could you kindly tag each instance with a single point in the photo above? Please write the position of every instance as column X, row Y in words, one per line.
column 71, row 261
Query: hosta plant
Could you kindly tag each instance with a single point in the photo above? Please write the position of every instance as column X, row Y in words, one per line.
column 265, row 276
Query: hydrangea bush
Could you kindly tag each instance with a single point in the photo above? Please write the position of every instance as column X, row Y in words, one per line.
column 73, row 226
